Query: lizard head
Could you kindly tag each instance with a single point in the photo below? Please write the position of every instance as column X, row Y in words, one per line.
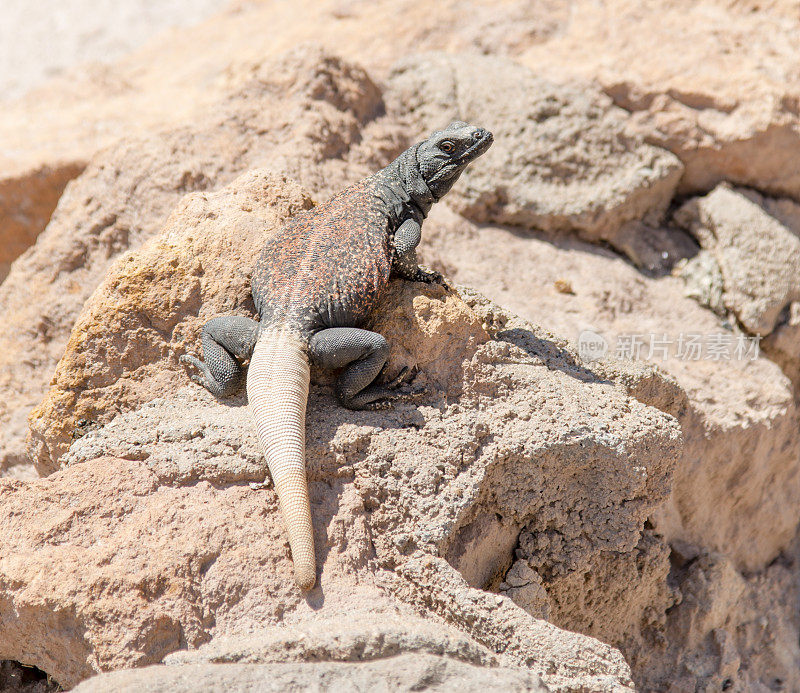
column 443, row 157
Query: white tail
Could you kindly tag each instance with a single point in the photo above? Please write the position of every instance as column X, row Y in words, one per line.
column 277, row 390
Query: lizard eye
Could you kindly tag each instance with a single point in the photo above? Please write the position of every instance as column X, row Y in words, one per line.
column 447, row 147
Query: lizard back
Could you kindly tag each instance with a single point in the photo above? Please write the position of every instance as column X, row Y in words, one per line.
column 328, row 267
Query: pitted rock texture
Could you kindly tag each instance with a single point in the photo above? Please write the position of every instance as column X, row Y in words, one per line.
column 390, row 491
column 739, row 423
column 565, row 161
column 436, row 513
column 359, row 636
column 679, row 68
column 756, row 245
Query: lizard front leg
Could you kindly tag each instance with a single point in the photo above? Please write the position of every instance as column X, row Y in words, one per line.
column 406, row 240
column 225, row 340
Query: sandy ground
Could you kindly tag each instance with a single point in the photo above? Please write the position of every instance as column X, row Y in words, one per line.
column 39, row 40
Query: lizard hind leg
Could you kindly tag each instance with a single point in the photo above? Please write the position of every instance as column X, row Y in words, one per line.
column 225, row 341
column 363, row 355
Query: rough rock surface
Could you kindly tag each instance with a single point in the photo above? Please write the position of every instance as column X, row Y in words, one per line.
column 682, row 70
column 756, row 251
column 565, row 162
column 56, row 129
column 739, row 424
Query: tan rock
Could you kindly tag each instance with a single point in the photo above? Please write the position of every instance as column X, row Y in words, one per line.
column 729, row 631
column 564, row 161
column 738, row 419
column 153, row 303
column 513, row 433
column 758, row 256
column 783, row 345
column 26, row 203
column 715, row 82
column 61, row 125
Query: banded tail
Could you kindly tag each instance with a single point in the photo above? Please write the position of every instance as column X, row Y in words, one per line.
column 277, row 390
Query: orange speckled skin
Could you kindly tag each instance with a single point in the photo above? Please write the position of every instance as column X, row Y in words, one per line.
column 329, row 266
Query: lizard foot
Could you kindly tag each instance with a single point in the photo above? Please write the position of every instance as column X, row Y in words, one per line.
column 195, row 362
column 430, row 276
column 392, row 391
column 406, row 375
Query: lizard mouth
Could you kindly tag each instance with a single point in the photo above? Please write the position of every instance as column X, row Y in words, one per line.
column 480, row 146
column 483, row 140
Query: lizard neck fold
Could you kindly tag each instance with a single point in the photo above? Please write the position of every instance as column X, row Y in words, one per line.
column 403, row 189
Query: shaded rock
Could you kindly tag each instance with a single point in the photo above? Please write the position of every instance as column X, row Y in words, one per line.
column 302, row 113
column 563, row 161
column 635, row 581
column 17, row 678
column 783, row 345
column 401, row 673
column 730, row 630
column 654, row 249
column 728, row 114
column 357, row 636
column 26, row 203
column 758, row 255
column 704, row 281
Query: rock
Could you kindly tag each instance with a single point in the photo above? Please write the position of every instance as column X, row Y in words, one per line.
column 301, row 114
column 756, row 253
column 357, row 636
column 26, row 203
column 564, row 161
column 17, row 678
column 783, row 345
column 654, row 249
column 161, row 295
column 401, row 673
column 48, row 136
column 718, row 632
column 155, row 508
column 738, row 419
column 728, row 114
column 703, row 281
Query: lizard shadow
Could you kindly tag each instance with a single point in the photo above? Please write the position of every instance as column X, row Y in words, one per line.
column 553, row 356
column 339, row 450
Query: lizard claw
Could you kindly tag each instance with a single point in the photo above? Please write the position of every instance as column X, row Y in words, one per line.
column 406, row 375
column 433, row 277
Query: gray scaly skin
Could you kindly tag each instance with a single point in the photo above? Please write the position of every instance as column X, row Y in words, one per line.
column 315, row 285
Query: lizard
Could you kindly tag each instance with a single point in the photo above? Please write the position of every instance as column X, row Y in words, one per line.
column 315, row 285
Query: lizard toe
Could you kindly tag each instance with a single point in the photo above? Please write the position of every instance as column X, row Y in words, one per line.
column 190, row 360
